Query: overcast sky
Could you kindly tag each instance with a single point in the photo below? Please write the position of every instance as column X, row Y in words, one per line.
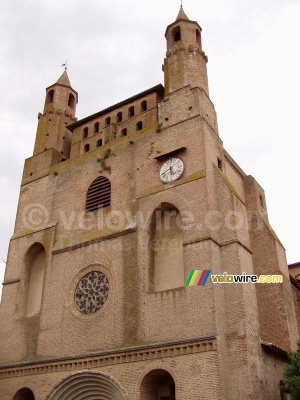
column 115, row 49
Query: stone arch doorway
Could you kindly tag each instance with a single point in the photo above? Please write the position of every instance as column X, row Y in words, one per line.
column 158, row 384
column 24, row 394
column 87, row 385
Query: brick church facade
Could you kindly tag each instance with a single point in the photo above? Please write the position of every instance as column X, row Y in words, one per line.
column 115, row 210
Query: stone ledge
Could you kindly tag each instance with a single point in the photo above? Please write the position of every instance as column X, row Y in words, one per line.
column 126, row 355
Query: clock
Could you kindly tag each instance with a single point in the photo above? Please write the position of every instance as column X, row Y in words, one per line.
column 171, row 170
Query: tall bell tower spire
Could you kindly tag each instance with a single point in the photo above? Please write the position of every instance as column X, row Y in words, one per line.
column 59, row 111
column 185, row 62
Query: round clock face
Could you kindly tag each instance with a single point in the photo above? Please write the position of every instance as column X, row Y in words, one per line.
column 171, row 170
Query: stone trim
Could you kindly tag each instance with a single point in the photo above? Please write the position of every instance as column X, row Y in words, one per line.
column 272, row 347
column 100, row 239
column 127, row 355
column 162, row 187
column 33, row 231
column 220, row 244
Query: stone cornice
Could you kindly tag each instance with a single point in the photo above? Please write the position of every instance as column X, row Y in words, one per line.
column 126, row 355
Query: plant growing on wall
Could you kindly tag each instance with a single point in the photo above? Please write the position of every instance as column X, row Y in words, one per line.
column 103, row 160
column 292, row 374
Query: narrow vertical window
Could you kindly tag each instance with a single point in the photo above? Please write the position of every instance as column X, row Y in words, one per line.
column 85, row 133
column 261, row 200
column 99, row 143
column 219, row 164
column 124, row 132
column 119, row 117
column 198, row 37
column 144, row 106
column 50, row 97
column 86, row 148
column 139, row 126
column 96, row 127
column 131, row 112
column 176, row 34
column 107, row 121
column 71, row 101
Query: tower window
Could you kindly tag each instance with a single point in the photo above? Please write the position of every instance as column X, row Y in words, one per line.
column 86, row 148
column 219, row 164
column 131, row 112
column 85, row 133
column 119, row 117
column 50, row 97
column 107, row 121
column 176, row 34
column 139, row 126
column 261, row 200
column 96, row 127
column 71, row 102
column 98, row 195
column 143, row 106
column 198, row 37
column 99, row 143
column 124, row 132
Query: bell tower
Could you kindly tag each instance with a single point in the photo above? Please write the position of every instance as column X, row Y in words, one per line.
column 185, row 62
column 59, row 111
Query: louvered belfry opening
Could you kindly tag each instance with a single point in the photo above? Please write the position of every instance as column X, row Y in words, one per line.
column 98, row 195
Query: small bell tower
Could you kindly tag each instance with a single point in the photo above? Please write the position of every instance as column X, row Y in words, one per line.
column 185, row 62
column 59, row 111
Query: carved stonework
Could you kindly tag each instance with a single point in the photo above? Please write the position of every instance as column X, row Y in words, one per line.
column 91, row 292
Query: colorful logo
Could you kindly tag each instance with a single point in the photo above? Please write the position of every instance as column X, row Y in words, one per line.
column 197, row 277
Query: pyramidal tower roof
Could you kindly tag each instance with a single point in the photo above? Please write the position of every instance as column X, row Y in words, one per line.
column 182, row 15
column 64, row 79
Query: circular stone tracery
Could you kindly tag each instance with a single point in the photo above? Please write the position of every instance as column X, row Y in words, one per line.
column 91, row 292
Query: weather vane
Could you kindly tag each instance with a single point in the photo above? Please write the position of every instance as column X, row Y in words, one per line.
column 181, row 4
column 65, row 65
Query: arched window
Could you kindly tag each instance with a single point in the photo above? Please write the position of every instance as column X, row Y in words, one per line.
column 119, row 117
column 99, row 143
column 86, row 148
column 107, row 121
column 131, row 112
column 198, row 37
column 144, row 106
column 124, row 132
column 50, row 97
column 24, row 394
column 35, row 261
column 139, row 126
column 85, row 132
column 98, row 195
column 71, row 101
column 166, row 246
column 96, row 127
column 176, row 34
column 158, row 384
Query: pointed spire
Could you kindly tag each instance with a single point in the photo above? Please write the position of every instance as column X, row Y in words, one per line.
column 182, row 15
column 64, row 79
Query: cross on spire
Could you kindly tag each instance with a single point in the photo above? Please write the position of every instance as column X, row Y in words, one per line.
column 65, row 65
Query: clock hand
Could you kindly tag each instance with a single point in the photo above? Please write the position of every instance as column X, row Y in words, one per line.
column 164, row 173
